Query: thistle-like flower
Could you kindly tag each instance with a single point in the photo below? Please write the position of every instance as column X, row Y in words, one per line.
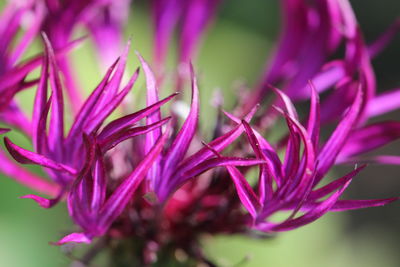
column 150, row 177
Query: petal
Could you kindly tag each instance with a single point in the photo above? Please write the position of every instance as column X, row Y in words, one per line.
column 56, row 128
column 116, row 203
column 384, row 103
column 196, row 17
column 332, row 147
column 343, row 205
column 27, row 157
column 267, row 170
column 74, row 238
column 153, row 136
column 123, row 135
column 25, row 177
column 218, row 144
column 165, row 16
column 89, row 106
column 383, row 159
column 313, row 125
column 111, row 89
column 17, row 73
column 310, row 216
column 182, row 141
column 288, row 104
column 44, row 202
column 332, row 186
column 246, row 194
column 98, row 118
column 218, row 162
column 370, row 137
column 99, row 183
column 4, row 130
column 39, row 108
column 131, row 119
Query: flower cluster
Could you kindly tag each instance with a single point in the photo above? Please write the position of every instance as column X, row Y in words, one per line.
column 150, row 177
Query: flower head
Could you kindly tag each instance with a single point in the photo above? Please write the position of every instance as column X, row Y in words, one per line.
column 151, row 177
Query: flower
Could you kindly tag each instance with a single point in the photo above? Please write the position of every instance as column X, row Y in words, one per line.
column 152, row 179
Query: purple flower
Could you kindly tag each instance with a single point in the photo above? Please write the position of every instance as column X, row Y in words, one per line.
column 151, row 177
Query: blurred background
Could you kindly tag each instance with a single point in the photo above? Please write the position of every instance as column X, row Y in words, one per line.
column 234, row 51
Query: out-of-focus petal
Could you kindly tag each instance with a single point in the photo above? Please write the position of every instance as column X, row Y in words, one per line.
column 27, row 157
column 74, row 238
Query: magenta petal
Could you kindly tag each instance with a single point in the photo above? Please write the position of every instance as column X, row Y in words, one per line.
column 131, row 119
column 271, row 157
column 98, row 118
column 246, row 194
column 386, row 159
column 333, row 146
column 311, row 215
column 123, row 135
column 74, row 238
column 181, row 143
column 151, row 97
column 39, row 116
column 267, row 170
column 313, row 125
column 111, row 89
column 299, row 185
column 25, row 177
column 329, row 188
column 370, row 137
column 43, row 202
column 56, row 128
column 342, row 205
column 165, row 16
column 197, row 15
column 99, row 183
column 19, row 72
column 79, row 202
column 151, row 137
column 116, row 203
column 89, row 106
column 27, row 157
column 222, row 161
column 218, row 144
column 384, row 103
column 288, row 104
column 203, row 154
column 4, row 130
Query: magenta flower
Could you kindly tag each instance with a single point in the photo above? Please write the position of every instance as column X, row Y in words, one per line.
column 149, row 177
